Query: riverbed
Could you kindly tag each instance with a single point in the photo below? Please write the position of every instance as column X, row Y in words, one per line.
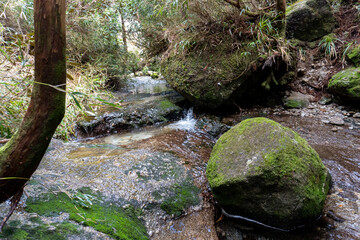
column 149, row 168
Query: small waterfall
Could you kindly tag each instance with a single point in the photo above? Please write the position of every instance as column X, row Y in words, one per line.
column 187, row 123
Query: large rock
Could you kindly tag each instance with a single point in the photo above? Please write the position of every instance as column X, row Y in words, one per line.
column 309, row 20
column 218, row 75
column 266, row 172
column 297, row 100
column 354, row 56
column 346, row 84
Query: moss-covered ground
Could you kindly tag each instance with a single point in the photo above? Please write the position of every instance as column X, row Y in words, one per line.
column 88, row 209
column 181, row 197
column 38, row 230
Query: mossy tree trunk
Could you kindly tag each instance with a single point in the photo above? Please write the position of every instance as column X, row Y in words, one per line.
column 20, row 157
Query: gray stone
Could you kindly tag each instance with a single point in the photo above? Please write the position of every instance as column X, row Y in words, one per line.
column 356, row 115
column 337, row 121
column 309, row 20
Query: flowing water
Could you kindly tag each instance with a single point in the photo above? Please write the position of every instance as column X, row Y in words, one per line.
column 146, row 167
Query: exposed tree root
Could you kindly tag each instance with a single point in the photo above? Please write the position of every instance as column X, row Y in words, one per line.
column 14, row 202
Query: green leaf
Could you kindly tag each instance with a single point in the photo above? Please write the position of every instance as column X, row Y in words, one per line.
column 109, row 103
column 76, row 101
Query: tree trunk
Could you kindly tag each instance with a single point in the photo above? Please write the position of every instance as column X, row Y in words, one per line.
column 123, row 28
column 281, row 9
column 20, row 157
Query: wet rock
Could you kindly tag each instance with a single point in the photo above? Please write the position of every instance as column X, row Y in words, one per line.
column 337, row 121
column 309, row 20
column 212, row 125
column 325, row 101
column 86, row 207
column 356, row 115
column 297, row 100
column 346, row 84
column 354, row 56
column 267, row 172
column 129, row 117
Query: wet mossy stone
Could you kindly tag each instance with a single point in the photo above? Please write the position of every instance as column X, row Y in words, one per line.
column 181, row 196
column 264, row 171
column 38, row 230
column 346, row 84
column 297, row 100
column 217, row 76
column 354, row 56
column 308, row 20
column 134, row 116
column 88, row 209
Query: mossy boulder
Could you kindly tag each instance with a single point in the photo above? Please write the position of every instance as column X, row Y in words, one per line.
column 354, row 56
column 308, row 20
column 346, row 84
column 297, row 100
column 265, row 171
column 218, row 76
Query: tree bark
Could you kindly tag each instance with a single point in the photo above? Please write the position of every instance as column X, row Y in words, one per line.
column 281, row 9
column 20, row 157
column 123, row 29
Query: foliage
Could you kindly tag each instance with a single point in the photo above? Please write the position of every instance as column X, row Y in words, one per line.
column 328, row 45
column 95, row 54
column 182, row 26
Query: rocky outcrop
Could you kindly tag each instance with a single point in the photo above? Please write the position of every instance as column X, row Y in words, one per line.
column 266, row 172
column 346, row 84
column 220, row 76
column 309, row 20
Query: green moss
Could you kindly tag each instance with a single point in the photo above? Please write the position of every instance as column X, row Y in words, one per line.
column 166, row 104
column 313, row 205
column 183, row 196
column 294, row 103
column 346, row 83
column 354, row 56
column 155, row 75
column 102, row 216
column 42, row 231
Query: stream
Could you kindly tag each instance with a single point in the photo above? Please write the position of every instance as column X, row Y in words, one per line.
column 157, row 168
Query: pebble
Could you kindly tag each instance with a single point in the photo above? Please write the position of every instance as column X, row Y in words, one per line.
column 356, row 115
column 337, row 121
